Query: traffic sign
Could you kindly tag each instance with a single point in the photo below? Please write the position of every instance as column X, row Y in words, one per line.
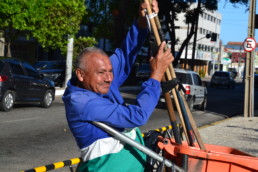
column 249, row 44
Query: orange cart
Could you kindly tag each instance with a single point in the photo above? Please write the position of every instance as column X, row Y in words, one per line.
column 213, row 159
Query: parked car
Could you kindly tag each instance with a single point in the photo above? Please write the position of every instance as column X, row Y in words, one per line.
column 233, row 72
column 256, row 80
column 21, row 82
column 196, row 93
column 143, row 72
column 222, row 78
column 53, row 70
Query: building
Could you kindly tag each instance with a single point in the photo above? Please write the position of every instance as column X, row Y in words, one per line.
column 235, row 52
column 207, row 53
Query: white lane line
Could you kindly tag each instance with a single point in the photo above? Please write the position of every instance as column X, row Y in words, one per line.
column 20, row 120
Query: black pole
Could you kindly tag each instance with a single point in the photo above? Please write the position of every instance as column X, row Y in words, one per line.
column 195, row 36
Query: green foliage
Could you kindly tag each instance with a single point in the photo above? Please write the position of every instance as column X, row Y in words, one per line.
column 81, row 43
column 58, row 20
column 49, row 21
column 202, row 73
column 99, row 16
column 110, row 19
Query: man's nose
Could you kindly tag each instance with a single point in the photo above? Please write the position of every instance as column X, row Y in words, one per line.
column 109, row 76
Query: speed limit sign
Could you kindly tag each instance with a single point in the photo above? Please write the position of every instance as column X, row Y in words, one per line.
column 249, row 44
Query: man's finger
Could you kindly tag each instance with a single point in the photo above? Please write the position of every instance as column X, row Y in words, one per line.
column 162, row 46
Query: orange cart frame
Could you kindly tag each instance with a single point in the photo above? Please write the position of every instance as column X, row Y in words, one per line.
column 215, row 158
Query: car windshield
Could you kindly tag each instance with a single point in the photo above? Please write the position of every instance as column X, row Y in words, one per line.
column 184, row 78
column 221, row 74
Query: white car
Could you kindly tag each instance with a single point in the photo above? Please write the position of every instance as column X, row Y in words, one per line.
column 196, row 94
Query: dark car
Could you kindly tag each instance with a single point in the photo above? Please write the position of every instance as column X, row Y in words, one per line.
column 21, row 82
column 256, row 80
column 53, row 70
column 222, row 78
column 233, row 72
column 143, row 72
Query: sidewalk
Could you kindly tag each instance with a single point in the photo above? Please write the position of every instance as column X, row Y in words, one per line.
column 59, row 91
column 238, row 132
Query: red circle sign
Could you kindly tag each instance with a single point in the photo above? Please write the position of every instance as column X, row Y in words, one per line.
column 249, row 44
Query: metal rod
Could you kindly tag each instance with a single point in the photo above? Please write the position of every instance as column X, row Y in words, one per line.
column 135, row 144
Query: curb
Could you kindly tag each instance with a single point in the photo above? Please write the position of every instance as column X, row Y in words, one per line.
column 59, row 92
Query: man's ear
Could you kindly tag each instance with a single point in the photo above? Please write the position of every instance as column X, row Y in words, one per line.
column 79, row 74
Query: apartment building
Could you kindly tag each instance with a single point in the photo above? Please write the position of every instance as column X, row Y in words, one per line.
column 207, row 53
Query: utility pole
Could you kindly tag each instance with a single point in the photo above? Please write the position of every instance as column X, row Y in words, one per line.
column 249, row 70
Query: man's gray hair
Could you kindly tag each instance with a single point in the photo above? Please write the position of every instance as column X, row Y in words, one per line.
column 80, row 63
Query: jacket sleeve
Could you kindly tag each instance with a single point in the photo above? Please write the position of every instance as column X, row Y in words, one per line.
column 117, row 115
column 124, row 57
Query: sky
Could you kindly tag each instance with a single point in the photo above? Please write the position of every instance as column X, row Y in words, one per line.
column 234, row 22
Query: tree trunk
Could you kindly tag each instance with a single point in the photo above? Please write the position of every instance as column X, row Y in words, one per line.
column 69, row 61
column 9, row 54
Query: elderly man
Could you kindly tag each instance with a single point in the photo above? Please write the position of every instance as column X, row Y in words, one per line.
column 94, row 96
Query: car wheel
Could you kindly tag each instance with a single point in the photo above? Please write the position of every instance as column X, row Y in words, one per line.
column 204, row 104
column 7, row 102
column 47, row 99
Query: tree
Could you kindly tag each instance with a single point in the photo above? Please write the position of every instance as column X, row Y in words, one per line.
column 169, row 9
column 81, row 43
column 110, row 19
column 49, row 22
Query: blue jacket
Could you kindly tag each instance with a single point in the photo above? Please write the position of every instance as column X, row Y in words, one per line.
column 84, row 105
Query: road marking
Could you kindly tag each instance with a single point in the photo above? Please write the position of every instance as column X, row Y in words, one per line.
column 20, row 120
column 214, row 123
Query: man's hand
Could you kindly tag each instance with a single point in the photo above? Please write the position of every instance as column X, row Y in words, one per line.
column 142, row 22
column 160, row 63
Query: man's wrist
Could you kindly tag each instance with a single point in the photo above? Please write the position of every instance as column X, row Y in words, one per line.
column 156, row 76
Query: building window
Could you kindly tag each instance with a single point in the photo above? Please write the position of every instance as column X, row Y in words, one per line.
column 199, row 46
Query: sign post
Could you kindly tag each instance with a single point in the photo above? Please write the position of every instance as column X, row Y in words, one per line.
column 250, row 46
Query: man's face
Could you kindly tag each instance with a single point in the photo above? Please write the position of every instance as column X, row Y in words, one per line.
column 98, row 73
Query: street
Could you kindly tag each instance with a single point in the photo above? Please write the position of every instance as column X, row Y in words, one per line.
column 32, row 136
